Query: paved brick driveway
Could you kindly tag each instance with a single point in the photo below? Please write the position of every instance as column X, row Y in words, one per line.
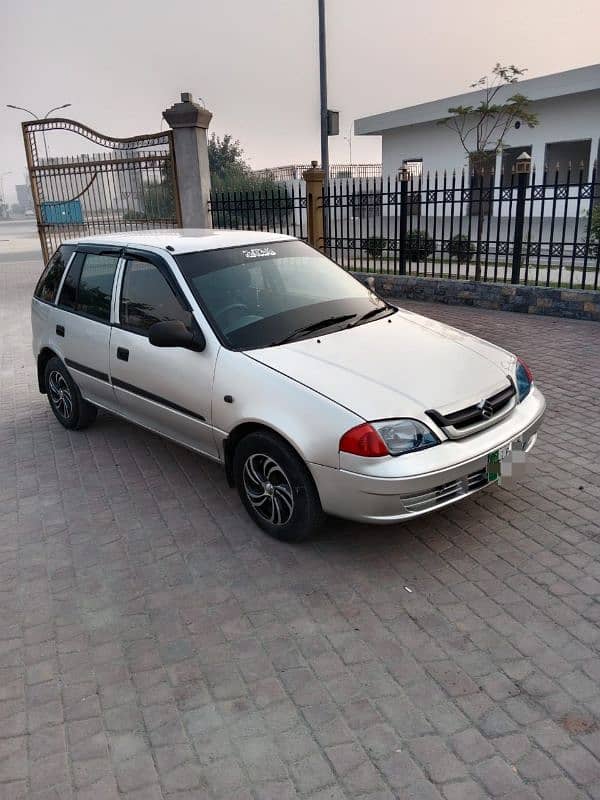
column 154, row 644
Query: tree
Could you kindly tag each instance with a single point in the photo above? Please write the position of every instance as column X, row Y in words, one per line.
column 249, row 195
column 482, row 128
column 229, row 171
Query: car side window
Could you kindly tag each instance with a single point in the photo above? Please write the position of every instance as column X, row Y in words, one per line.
column 49, row 282
column 89, row 283
column 68, row 294
column 146, row 298
column 96, row 285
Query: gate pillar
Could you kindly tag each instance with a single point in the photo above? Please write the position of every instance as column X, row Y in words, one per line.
column 315, row 211
column 190, row 122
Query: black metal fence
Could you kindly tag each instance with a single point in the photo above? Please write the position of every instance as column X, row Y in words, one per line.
column 280, row 210
column 513, row 228
column 518, row 228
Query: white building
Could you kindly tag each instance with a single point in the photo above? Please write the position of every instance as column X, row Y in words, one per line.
column 567, row 105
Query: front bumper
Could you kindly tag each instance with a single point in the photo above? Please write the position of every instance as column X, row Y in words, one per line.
column 393, row 489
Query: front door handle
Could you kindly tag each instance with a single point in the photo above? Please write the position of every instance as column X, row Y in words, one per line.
column 60, row 330
column 123, row 353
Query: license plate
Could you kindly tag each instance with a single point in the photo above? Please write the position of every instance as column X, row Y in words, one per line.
column 494, row 463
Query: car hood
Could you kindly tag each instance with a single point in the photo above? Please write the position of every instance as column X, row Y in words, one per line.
column 398, row 366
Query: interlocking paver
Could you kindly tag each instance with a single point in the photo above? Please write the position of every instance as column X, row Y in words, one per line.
column 153, row 643
column 498, row 777
column 464, row 790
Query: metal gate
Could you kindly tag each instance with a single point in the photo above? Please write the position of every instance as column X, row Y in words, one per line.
column 129, row 184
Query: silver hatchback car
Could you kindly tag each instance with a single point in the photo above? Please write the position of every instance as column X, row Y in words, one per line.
column 260, row 353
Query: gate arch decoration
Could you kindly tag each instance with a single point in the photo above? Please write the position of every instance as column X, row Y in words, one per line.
column 129, row 184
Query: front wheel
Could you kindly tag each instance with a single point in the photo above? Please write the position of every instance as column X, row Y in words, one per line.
column 276, row 487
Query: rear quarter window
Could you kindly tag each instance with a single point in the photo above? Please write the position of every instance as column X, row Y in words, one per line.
column 88, row 285
column 48, row 284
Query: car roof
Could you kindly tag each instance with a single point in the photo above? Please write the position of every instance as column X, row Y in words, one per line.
column 184, row 240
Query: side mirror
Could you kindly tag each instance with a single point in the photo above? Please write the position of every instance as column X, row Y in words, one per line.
column 175, row 334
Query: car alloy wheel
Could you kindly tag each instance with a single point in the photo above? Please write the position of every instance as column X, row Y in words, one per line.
column 60, row 394
column 268, row 489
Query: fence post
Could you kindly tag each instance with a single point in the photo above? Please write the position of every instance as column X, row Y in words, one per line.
column 314, row 177
column 404, row 178
column 189, row 122
column 523, row 165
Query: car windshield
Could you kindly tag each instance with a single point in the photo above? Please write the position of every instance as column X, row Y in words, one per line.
column 268, row 294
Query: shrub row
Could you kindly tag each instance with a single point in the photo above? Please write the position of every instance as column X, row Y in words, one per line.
column 420, row 244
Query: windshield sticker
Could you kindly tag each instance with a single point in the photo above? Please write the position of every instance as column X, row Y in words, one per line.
column 259, row 252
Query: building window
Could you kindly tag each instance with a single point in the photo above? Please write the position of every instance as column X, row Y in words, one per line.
column 414, row 167
column 568, row 159
column 481, row 181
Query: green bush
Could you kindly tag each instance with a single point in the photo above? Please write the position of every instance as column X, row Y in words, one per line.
column 460, row 247
column 375, row 246
column 594, row 227
column 419, row 245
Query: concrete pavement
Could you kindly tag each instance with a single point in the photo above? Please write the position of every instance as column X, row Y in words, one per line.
column 155, row 644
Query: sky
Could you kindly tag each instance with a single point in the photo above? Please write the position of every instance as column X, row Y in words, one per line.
column 254, row 63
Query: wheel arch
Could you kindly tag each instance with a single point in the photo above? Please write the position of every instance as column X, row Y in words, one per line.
column 43, row 358
column 240, row 432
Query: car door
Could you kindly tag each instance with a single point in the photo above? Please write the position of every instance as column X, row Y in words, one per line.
column 82, row 321
column 166, row 389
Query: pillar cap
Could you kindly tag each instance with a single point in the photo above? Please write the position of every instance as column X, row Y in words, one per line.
column 187, row 113
column 314, row 172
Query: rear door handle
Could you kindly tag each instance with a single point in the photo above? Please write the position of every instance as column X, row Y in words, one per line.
column 123, row 353
column 60, row 330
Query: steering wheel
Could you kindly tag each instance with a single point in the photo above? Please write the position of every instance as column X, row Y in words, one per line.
column 231, row 307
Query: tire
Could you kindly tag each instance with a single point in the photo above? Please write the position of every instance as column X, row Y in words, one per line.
column 66, row 402
column 287, row 506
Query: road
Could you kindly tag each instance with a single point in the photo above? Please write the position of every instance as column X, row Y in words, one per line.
column 19, row 242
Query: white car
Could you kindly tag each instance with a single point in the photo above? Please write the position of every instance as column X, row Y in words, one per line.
column 259, row 352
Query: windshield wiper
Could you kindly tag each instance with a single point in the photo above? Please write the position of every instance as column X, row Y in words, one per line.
column 314, row 326
column 373, row 312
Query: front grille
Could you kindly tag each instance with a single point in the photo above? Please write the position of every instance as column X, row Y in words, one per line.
column 446, row 492
column 484, row 412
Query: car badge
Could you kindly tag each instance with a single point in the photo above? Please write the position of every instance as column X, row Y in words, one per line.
column 486, row 408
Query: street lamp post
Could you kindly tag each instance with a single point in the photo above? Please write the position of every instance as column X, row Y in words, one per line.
column 349, row 140
column 323, row 86
column 35, row 116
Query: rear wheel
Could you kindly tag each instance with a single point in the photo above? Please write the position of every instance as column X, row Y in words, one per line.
column 276, row 487
column 69, row 407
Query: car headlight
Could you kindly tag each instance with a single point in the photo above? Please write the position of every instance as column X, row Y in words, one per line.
column 524, row 378
column 392, row 437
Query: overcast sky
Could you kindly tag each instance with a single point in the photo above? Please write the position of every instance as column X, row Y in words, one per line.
column 255, row 62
